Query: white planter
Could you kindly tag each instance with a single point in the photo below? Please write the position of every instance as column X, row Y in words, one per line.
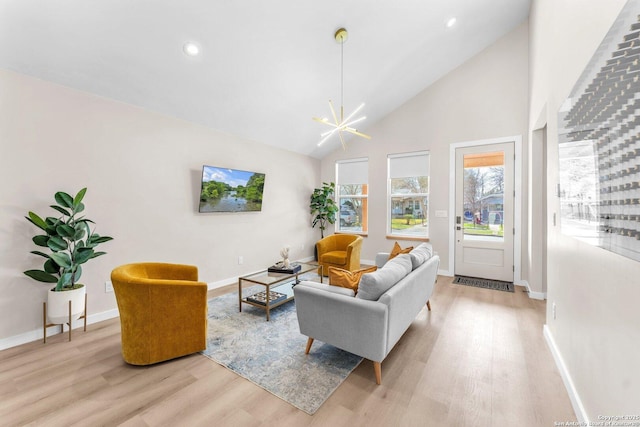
column 58, row 305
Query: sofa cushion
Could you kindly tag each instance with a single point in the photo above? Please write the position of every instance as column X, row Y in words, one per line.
column 397, row 250
column 328, row 288
column 373, row 285
column 334, row 257
column 347, row 279
column 419, row 255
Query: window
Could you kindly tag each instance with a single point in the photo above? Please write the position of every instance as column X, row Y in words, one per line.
column 352, row 195
column 408, row 195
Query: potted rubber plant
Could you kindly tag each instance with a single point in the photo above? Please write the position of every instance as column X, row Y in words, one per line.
column 70, row 243
column 323, row 207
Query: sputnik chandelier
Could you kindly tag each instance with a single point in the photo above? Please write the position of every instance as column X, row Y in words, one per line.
column 344, row 124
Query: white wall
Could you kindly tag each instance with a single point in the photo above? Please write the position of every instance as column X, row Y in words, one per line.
column 595, row 335
column 484, row 98
column 142, row 171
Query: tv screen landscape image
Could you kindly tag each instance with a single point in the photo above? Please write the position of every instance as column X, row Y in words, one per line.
column 230, row 190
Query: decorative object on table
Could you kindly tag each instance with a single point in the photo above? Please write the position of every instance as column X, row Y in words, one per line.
column 71, row 242
column 293, row 268
column 284, row 253
column 323, row 206
column 261, row 297
column 343, row 124
column 163, row 311
column 268, row 353
column 339, row 250
column 284, row 266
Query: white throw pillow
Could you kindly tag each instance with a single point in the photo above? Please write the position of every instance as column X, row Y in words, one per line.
column 373, row 285
column 420, row 254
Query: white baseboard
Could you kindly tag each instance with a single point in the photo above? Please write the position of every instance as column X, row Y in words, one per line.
column 532, row 294
column 221, row 283
column 38, row 334
column 228, row 281
column 537, row 295
column 578, row 408
column 445, row 273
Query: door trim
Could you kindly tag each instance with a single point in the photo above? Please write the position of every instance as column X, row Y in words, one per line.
column 517, row 203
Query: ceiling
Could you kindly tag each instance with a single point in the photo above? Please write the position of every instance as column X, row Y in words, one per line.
column 265, row 68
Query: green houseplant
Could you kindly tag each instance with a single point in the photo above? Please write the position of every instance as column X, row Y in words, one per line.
column 323, row 206
column 71, row 243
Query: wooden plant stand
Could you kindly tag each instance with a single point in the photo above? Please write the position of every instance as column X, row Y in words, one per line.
column 45, row 325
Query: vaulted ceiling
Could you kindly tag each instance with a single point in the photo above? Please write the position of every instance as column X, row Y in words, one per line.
column 265, row 67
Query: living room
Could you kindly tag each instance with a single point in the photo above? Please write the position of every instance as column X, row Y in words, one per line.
column 142, row 170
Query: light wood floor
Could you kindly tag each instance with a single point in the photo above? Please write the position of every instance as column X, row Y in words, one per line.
column 478, row 359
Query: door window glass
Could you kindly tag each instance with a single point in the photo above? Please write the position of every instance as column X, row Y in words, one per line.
column 483, row 193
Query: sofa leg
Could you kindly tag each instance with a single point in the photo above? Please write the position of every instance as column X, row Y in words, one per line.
column 309, row 342
column 428, row 305
column 377, row 367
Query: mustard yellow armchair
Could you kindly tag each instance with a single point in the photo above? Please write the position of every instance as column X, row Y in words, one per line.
column 163, row 311
column 339, row 250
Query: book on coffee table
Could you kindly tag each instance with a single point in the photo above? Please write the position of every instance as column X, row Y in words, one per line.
column 261, row 297
column 294, row 267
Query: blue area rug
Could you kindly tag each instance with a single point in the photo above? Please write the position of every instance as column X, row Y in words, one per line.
column 271, row 354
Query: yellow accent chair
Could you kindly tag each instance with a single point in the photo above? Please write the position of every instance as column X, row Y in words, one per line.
column 339, row 250
column 163, row 311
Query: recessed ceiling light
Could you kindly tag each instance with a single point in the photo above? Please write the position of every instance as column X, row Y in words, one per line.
column 451, row 22
column 191, row 49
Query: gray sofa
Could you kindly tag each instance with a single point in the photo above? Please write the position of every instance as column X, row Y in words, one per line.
column 372, row 322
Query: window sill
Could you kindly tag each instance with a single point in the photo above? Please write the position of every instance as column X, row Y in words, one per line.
column 363, row 234
column 417, row 239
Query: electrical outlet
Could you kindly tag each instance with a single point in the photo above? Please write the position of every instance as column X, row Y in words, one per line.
column 553, row 310
column 108, row 286
column 240, row 260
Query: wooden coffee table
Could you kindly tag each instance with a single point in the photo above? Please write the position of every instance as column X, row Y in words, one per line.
column 276, row 285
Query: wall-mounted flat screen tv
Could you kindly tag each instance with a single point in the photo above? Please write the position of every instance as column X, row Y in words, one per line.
column 230, row 190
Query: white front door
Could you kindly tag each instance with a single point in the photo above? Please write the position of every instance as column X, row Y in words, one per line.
column 484, row 211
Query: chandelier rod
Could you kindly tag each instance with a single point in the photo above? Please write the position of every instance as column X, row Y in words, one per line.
column 341, row 78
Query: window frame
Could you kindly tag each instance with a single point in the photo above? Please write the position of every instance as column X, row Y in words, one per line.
column 364, row 197
column 394, row 234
